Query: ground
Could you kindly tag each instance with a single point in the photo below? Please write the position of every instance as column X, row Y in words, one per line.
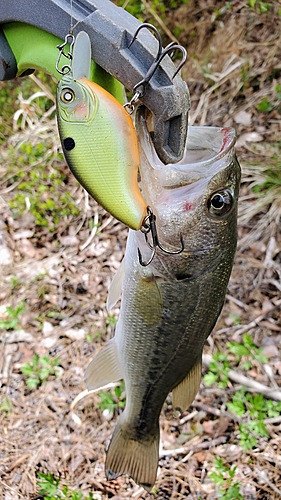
column 58, row 257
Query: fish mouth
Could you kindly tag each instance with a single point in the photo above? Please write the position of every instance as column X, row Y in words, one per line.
column 207, row 152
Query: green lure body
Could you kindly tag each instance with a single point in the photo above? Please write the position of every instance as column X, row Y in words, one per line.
column 100, row 146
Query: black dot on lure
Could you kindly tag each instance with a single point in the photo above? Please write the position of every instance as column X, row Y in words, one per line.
column 69, row 143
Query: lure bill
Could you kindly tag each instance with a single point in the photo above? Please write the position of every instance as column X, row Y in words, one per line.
column 99, row 141
column 170, row 306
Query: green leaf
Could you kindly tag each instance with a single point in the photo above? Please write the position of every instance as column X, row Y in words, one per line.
column 27, row 369
column 247, row 340
column 247, row 365
column 48, row 485
column 217, row 478
column 76, row 495
column 238, row 349
column 237, row 407
column 32, row 383
column 261, row 358
column 265, row 105
column 259, row 427
column 233, row 493
column 210, row 378
column 8, row 324
column 44, row 373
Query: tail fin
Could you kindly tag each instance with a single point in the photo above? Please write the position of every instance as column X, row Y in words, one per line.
column 126, row 455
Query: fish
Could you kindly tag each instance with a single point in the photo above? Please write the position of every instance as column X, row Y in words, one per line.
column 169, row 307
column 99, row 140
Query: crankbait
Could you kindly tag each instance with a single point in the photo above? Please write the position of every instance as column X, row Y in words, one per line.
column 99, row 140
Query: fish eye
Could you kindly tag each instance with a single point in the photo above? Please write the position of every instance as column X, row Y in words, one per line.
column 220, row 203
column 67, row 96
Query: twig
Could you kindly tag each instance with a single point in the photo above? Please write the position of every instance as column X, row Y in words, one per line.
column 93, row 232
column 265, row 456
column 215, row 411
column 262, row 474
column 18, row 462
column 272, row 420
column 206, row 445
column 188, row 417
column 269, row 253
column 238, row 329
column 16, row 492
column 237, row 302
column 247, row 381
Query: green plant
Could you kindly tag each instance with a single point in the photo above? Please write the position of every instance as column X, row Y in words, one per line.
column 50, row 489
column 243, row 353
column 13, row 314
column 111, row 320
column 6, row 406
column 15, row 282
column 265, row 106
column 41, row 187
column 224, row 477
column 260, row 5
column 115, row 398
column 39, row 369
column 271, row 180
column 255, row 409
column 55, row 314
column 218, row 370
column 246, row 352
column 223, row 9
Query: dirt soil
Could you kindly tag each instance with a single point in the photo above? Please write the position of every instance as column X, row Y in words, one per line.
column 234, row 55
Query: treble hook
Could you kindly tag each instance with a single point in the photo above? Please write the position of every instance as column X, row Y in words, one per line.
column 69, row 38
column 171, row 48
column 149, row 226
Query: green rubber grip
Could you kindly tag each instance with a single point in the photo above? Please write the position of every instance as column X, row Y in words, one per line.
column 34, row 48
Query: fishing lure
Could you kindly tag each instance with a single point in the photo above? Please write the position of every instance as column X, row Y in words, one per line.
column 98, row 138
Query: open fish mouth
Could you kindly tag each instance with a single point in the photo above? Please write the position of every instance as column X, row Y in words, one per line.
column 208, row 150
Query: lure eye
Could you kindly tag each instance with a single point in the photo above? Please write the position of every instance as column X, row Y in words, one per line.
column 220, row 203
column 67, row 96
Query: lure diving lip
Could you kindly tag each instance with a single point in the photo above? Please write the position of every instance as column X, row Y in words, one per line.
column 99, row 141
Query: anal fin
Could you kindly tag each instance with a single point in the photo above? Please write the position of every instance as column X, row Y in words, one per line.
column 185, row 392
column 104, row 368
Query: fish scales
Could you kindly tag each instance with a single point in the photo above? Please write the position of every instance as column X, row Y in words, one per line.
column 165, row 345
column 169, row 308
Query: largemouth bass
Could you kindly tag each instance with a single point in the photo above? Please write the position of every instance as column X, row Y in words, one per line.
column 169, row 308
column 99, row 140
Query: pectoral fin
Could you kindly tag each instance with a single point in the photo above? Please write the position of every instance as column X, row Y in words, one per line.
column 115, row 288
column 185, row 392
column 104, row 368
